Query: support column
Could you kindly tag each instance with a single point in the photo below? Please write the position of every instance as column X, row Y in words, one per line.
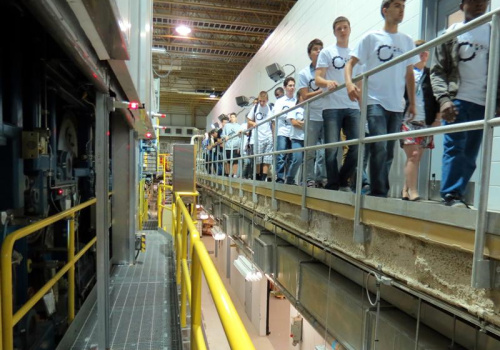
column 123, row 176
column 102, row 218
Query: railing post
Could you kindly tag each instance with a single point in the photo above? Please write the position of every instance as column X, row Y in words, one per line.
column 274, row 202
column 481, row 267
column 7, row 299
column 254, row 163
column 361, row 233
column 178, row 241
column 195, row 298
column 183, row 283
column 304, row 212
column 71, row 271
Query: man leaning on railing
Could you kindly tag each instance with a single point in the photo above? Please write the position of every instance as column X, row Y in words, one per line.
column 459, row 78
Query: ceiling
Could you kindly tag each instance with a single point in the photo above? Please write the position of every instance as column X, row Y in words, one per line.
column 225, row 36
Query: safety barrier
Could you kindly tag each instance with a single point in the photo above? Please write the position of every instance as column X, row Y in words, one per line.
column 190, row 280
column 9, row 318
column 482, row 267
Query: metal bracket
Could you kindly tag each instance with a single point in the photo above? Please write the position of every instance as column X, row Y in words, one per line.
column 488, row 275
column 255, row 199
column 274, row 204
column 304, row 214
column 230, row 190
column 362, row 233
column 241, row 193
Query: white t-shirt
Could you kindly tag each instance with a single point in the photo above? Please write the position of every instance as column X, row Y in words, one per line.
column 265, row 131
column 231, row 129
column 243, row 128
column 388, row 86
column 419, row 96
column 334, row 59
column 306, row 80
column 473, row 50
column 296, row 133
column 284, row 103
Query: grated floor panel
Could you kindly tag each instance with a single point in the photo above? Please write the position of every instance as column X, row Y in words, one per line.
column 144, row 308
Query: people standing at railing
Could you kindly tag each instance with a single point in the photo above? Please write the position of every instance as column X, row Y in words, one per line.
column 284, row 127
column 220, row 146
column 427, row 115
column 212, row 151
column 385, row 88
column 279, row 92
column 263, row 138
column 296, row 120
column 232, row 144
column 339, row 112
column 247, row 147
column 315, row 160
column 459, row 78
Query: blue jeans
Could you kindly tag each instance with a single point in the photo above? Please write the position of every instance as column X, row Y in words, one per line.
column 283, row 160
column 296, row 161
column 381, row 122
column 315, row 160
column 334, row 120
column 460, row 150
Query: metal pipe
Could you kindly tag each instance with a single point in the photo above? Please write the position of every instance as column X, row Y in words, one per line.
column 481, row 267
column 194, row 137
column 417, row 332
column 195, row 300
column 304, row 158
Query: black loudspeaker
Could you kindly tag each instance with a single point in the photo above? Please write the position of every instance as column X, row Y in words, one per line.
column 275, row 72
column 242, row 101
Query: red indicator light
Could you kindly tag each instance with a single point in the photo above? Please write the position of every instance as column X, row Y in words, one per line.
column 133, row 105
column 108, row 133
column 163, row 127
column 60, row 191
column 148, row 135
column 163, row 115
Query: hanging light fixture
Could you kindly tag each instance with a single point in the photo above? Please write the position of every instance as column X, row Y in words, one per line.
column 217, row 233
column 247, row 269
column 183, row 30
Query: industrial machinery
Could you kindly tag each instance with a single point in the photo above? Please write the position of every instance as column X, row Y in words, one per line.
column 47, row 150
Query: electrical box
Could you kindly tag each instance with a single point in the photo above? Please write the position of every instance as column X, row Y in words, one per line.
column 296, row 330
column 183, row 179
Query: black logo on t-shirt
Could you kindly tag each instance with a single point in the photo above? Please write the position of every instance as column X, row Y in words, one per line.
column 385, row 53
column 338, row 62
column 467, row 51
column 312, row 85
column 259, row 116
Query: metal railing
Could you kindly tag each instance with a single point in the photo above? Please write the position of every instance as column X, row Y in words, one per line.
column 9, row 318
column 481, row 266
column 188, row 245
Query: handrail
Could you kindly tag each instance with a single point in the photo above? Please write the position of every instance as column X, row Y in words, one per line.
column 236, row 333
column 10, row 319
column 481, row 266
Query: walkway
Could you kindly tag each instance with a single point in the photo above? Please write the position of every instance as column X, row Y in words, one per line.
column 143, row 301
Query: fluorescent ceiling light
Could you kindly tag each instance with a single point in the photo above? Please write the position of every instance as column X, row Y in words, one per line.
column 161, row 50
column 247, row 269
column 217, row 233
column 212, row 95
column 183, row 30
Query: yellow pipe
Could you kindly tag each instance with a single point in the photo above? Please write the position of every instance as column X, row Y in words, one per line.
column 6, row 266
column 187, row 278
column 200, row 339
column 71, row 272
column 183, row 257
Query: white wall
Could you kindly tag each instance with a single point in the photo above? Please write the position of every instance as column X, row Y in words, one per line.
column 308, row 19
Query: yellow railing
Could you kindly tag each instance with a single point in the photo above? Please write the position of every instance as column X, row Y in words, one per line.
column 9, row 318
column 190, row 281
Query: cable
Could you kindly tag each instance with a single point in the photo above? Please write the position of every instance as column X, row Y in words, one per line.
column 136, row 255
column 367, row 291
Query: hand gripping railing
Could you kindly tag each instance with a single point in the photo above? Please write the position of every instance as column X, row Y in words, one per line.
column 190, row 281
column 9, row 318
column 481, row 272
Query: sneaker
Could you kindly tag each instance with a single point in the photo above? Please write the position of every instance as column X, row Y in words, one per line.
column 365, row 189
column 455, row 201
column 311, row 184
column 345, row 189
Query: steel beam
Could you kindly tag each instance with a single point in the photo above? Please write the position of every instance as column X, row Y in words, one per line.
column 102, row 218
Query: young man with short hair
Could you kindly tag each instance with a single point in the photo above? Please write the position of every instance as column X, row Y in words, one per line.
column 264, row 136
column 385, row 89
column 230, row 130
column 220, row 148
column 339, row 112
column 458, row 80
column 279, row 92
column 284, row 127
column 315, row 160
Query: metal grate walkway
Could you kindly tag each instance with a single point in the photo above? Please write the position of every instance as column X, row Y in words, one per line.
column 144, row 306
